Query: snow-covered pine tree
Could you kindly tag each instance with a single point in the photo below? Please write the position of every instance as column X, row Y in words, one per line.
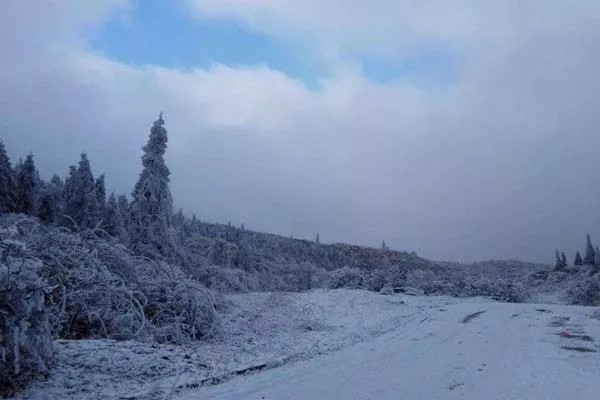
column 112, row 219
column 101, row 192
column 7, row 182
column 590, row 252
column 68, row 196
column 151, row 209
column 558, row 264
column 91, row 212
column 383, row 245
column 317, row 239
column 50, row 204
column 27, row 185
column 563, row 260
column 578, row 260
column 79, row 188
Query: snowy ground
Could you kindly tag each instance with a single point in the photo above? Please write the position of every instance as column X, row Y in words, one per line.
column 467, row 351
column 258, row 331
column 281, row 346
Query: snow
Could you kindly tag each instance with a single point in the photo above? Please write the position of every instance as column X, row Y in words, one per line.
column 349, row 344
column 504, row 351
column 262, row 330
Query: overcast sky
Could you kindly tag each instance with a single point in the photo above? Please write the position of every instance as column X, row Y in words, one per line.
column 464, row 130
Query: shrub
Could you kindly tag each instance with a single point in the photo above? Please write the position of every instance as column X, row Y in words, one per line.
column 25, row 338
column 584, row 292
column 346, row 277
column 100, row 289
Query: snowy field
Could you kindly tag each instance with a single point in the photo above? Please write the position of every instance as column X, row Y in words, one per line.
column 349, row 344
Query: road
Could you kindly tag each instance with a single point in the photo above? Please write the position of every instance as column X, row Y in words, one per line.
column 464, row 351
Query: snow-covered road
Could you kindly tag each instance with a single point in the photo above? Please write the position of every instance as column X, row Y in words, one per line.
column 500, row 352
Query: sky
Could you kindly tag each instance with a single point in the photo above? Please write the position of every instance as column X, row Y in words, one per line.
column 463, row 130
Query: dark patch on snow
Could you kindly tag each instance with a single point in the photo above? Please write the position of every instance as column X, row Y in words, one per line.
column 558, row 321
column 579, row 349
column 470, row 317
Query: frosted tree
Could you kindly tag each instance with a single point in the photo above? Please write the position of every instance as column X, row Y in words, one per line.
column 558, row 264
column 151, row 209
column 7, row 182
column 563, row 260
column 80, row 189
column 578, row 260
column 101, row 192
column 318, row 239
column 91, row 212
column 383, row 245
column 50, row 202
column 27, row 184
column 590, row 252
column 69, row 190
column 112, row 218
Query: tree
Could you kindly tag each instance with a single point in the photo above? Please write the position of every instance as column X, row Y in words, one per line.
column 563, row 260
column 112, row 220
column 50, row 204
column 7, row 182
column 317, row 239
column 578, row 260
column 27, row 184
column 590, row 252
column 383, row 245
column 558, row 264
column 101, row 192
column 80, row 194
column 91, row 212
column 151, row 209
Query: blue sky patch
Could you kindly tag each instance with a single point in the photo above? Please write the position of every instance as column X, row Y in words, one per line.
column 163, row 33
column 431, row 66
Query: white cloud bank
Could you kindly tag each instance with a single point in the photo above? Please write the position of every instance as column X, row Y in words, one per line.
column 505, row 163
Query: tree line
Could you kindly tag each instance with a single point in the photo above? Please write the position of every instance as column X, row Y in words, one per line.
column 80, row 200
column 591, row 257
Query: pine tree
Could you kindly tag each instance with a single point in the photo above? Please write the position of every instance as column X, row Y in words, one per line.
column 123, row 207
column 27, row 185
column 151, row 209
column 558, row 264
column 578, row 260
column 101, row 192
column 179, row 219
column 318, row 239
column 50, row 205
column 590, row 252
column 112, row 219
column 80, row 194
column 69, row 200
column 7, row 182
column 383, row 245
column 91, row 212
column 563, row 260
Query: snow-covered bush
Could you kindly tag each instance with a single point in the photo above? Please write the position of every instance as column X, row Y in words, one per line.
column 227, row 280
column 25, row 337
column 101, row 289
column 352, row 278
column 585, row 291
column 428, row 281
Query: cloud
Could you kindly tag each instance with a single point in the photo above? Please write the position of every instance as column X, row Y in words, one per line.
column 502, row 164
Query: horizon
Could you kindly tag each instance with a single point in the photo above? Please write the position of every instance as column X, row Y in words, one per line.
column 463, row 133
